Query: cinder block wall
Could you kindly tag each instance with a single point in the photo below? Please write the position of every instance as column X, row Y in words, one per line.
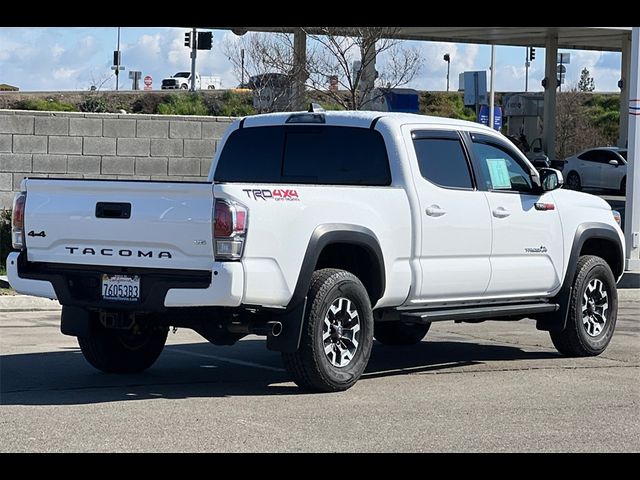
column 105, row 146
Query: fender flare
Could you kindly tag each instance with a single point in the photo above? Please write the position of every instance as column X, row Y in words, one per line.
column 585, row 231
column 322, row 236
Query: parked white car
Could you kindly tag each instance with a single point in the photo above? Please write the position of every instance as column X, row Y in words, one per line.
column 604, row 168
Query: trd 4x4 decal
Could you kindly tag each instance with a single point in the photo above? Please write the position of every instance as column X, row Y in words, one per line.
column 279, row 195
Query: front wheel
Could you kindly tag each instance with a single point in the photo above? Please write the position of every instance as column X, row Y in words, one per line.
column 123, row 351
column 593, row 310
column 574, row 182
column 337, row 334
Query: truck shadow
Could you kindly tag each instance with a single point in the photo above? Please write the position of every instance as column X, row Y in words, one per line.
column 199, row 370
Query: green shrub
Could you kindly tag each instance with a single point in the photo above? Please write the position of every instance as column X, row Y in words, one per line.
column 41, row 104
column 187, row 104
column 236, row 105
column 5, row 237
column 95, row 104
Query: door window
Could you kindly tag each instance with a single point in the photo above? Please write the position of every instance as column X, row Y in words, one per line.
column 501, row 170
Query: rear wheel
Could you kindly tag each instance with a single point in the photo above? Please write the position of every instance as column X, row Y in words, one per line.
column 123, row 351
column 593, row 310
column 398, row 333
column 574, row 182
column 337, row 334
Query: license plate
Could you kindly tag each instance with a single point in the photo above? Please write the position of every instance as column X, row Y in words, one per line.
column 121, row 287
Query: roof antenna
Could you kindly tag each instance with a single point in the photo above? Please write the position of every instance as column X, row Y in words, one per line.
column 315, row 108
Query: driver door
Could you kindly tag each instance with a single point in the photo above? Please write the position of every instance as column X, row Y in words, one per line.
column 527, row 237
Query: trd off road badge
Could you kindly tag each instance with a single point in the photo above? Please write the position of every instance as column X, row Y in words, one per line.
column 279, row 195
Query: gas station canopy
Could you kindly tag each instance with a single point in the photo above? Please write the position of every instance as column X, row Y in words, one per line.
column 580, row 38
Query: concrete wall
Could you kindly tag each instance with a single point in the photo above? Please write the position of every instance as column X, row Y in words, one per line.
column 104, row 146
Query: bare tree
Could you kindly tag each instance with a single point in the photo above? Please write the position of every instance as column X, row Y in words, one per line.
column 264, row 63
column 340, row 48
column 350, row 54
column 98, row 78
column 575, row 130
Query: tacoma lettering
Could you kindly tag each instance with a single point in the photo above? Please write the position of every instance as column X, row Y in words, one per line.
column 109, row 252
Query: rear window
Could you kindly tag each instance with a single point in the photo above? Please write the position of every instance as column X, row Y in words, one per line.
column 316, row 155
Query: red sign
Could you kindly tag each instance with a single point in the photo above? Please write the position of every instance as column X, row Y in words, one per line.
column 148, row 82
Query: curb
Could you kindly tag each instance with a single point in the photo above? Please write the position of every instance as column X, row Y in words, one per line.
column 25, row 303
column 629, row 294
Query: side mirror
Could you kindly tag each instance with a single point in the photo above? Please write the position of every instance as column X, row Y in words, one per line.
column 614, row 163
column 551, row 179
column 537, row 150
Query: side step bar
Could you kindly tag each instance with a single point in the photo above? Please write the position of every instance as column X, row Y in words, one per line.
column 478, row 313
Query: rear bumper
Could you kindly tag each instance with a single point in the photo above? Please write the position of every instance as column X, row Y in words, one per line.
column 27, row 286
column 75, row 285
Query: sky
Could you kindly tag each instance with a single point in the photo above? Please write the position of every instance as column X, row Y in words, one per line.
column 57, row 58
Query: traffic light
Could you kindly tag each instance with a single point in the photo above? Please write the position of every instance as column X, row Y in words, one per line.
column 532, row 54
column 187, row 39
column 205, row 40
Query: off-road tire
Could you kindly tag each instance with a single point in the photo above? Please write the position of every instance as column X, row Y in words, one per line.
column 574, row 340
column 311, row 366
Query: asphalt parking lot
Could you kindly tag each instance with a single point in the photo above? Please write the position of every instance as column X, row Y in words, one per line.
column 486, row 387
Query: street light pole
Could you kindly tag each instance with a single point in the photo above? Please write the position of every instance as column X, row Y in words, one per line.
column 447, row 58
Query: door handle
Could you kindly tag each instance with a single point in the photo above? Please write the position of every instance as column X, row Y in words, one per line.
column 501, row 212
column 435, row 211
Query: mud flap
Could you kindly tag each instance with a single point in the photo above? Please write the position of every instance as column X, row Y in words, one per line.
column 75, row 321
column 289, row 340
column 556, row 321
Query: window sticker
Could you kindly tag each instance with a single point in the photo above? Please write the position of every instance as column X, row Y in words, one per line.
column 499, row 173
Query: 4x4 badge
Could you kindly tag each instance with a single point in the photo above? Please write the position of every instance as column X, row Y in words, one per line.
column 39, row 234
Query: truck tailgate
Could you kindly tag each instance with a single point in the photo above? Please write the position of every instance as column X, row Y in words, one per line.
column 119, row 223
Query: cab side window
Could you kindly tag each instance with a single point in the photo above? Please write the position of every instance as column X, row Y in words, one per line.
column 442, row 160
column 501, row 170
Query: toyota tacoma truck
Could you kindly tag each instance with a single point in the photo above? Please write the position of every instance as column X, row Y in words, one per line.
column 323, row 231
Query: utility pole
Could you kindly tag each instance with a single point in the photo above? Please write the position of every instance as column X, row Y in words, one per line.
column 492, row 113
column 527, row 64
column 194, row 52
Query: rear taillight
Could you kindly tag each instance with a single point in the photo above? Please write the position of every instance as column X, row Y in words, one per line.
column 17, row 220
column 229, row 229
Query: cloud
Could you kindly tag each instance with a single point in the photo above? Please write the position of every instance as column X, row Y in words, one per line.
column 75, row 58
column 40, row 59
column 163, row 54
column 434, row 73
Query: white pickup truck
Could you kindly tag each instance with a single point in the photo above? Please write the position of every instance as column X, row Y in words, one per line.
column 323, row 231
column 182, row 81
